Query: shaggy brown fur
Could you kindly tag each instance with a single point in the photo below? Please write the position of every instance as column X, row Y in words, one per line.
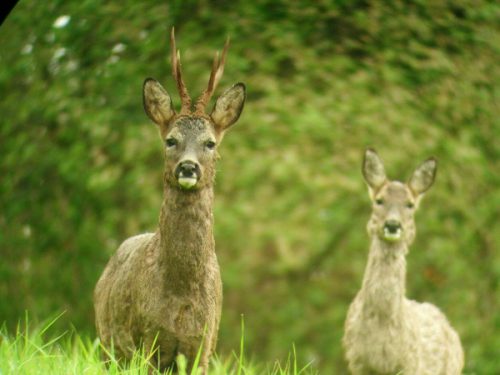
column 163, row 290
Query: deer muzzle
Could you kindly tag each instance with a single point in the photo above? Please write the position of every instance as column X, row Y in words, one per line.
column 188, row 174
column 392, row 230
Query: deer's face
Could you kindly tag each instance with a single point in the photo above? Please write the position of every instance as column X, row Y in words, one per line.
column 191, row 140
column 394, row 202
column 393, row 211
column 191, row 137
column 190, row 153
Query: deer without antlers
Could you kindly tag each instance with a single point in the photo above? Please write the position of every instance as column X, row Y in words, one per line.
column 385, row 332
column 163, row 290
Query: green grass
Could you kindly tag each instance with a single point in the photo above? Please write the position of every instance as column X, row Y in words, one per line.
column 37, row 350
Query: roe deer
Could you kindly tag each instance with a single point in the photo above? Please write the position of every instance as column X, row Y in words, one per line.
column 163, row 290
column 385, row 332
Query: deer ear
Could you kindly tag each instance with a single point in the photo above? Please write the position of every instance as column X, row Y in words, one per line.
column 373, row 170
column 423, row 177
column 157, row 102
column 228, row 107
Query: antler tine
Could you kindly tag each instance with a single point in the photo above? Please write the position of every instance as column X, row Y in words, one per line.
column 215, row 76
column 177, row 73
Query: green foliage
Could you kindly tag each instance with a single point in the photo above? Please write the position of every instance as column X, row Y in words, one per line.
column 81, row 166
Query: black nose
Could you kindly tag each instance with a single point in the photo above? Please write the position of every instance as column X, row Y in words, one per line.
column 187, row 169
column 392, row 226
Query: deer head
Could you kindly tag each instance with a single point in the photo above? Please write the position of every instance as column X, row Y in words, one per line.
column 192, row 136
column 394, row 202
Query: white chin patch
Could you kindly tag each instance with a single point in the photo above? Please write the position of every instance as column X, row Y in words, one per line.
column 392, row 237
column 187, row 182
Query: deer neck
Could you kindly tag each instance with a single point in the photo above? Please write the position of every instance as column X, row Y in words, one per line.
column 186, row 238
column 383, row 289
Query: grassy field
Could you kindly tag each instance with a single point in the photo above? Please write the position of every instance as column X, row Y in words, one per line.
column 37, row 350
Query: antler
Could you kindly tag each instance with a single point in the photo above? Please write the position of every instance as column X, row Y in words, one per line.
column 177, row 73
column 215, row 76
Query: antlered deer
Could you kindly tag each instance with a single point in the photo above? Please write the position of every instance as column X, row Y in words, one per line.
column 163, row 290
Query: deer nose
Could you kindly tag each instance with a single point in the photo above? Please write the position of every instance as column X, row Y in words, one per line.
column 187, row 169
column 392, row 226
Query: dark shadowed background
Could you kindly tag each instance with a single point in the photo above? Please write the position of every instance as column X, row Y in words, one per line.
column 81, row 165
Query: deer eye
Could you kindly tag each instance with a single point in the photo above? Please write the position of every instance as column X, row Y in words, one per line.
column 171, row 142
column 379, row 202
column 210, row 145
column 410, row 205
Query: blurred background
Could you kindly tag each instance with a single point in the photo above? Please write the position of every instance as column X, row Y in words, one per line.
column 81, row 165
